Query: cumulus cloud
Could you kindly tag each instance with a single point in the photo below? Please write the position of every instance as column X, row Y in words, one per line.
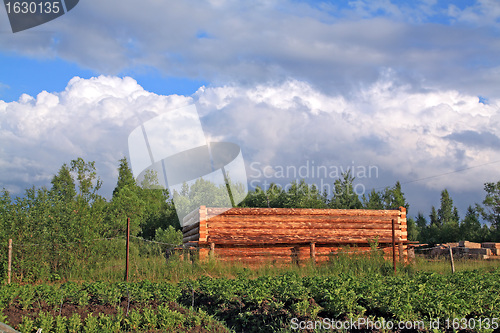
column 406, row 135
column 90, row 119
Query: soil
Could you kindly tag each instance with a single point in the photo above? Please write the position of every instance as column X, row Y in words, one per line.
column 15, row 312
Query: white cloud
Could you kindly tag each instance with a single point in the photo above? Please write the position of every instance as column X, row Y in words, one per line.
column 90, row 119
column 407, row 135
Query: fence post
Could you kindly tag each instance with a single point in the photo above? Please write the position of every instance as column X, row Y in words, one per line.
column 212, row 250
column 313, row 252
column 128, row 248
column 9, row 266
column 451, row 260
column 394, row 245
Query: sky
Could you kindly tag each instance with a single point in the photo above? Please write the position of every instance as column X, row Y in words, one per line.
column 394, row 90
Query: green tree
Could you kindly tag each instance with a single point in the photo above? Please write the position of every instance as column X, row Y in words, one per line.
column 448, row 219
column 255, row 198
column 393, row 198
column 302, row 195
column 63, row 184
column 88, row 181
column 125, row 177
column 434, row 217
column 413, row 231
column 159, row 210
column 374, row 200
column 491, row 209
column 470, row 228
column 344, row 196
column 423, row 228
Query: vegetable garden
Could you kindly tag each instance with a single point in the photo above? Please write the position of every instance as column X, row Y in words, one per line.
column 270, row 302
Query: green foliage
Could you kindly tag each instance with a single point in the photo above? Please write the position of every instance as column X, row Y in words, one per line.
column 27, row 325
column 169, row 236
column 413, row 231
column 201, row 192
column 491, row 209
column 87, row 180
column 63, row 185
column 125, row 177
column 344, row 196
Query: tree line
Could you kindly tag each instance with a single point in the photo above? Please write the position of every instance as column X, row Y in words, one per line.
column 442, row 225
column 57, row 227
column 53, row 229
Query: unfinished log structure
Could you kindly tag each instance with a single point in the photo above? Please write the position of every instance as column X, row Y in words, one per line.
column 259, row 235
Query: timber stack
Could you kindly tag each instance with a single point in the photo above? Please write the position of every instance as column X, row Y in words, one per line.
column 284, row 235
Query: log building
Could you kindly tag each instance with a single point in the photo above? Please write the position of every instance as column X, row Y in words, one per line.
column 284, row 235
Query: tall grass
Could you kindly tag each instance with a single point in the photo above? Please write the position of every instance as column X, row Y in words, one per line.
column 148, row 262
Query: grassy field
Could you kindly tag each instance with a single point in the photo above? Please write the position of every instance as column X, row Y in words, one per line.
column 184, row 296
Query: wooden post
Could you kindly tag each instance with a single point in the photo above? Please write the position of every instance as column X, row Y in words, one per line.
column 212, row 250
column 401, row 250
column 451, row 260
column 9, row 265
column 313, row 252
column 394, row 245
column 128, row 248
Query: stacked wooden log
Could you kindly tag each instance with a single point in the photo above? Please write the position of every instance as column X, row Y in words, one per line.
column 257, row 235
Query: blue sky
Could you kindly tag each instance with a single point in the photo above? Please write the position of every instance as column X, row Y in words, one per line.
column 408, row 86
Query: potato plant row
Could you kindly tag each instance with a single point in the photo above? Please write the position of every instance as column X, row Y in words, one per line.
column 263, row 304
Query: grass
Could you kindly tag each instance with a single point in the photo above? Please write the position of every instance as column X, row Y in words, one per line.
column 148, row 263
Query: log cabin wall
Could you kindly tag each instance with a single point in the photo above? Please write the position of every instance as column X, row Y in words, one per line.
column 259, row 235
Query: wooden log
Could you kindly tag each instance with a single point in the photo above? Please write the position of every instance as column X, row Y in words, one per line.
column 191, row 227
column 300, row 211
column 192, row 215
column 194, row 231
column 244, row 219
column 235, row 240
column 299, row 234
column 190, row 238
column 297, row 225
column 190, row 244
column 191, row 224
